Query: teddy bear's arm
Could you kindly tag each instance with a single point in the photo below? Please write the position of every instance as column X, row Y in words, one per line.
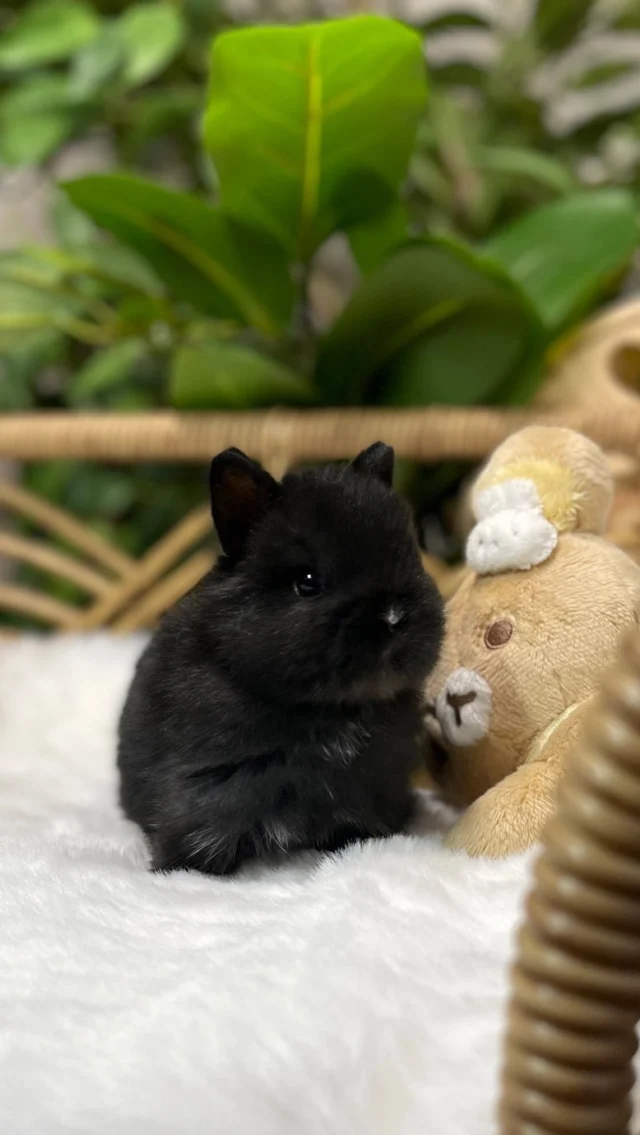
column 510, row 817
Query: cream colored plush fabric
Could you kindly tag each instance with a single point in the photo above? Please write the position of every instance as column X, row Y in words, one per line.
column 530, row 632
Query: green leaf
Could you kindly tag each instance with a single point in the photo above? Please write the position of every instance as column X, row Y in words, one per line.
column 204, row 258
column 143, row 315
column 435, row 323
column 35, row 117
column 515, row 161
column 18, row 299
column 151, row 34
column 557, row 23
column 23, row 362
column 24, row 266
column 71, row 226
column 311, row 128
column 44, row 267
column 374, row 242
column 30, row 301
column 159, row 111
column 105, row 369
column 96, row 64
column 35, row 94
column 116, row 264
column 47, row 31
column 463, row 363
column 24, row 308
column 15, row 391
column 96, row 491
column 566, row 254
column 30, row 140
column 219, row 375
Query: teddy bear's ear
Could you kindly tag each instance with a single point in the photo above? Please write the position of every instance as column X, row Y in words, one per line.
column 539, row 483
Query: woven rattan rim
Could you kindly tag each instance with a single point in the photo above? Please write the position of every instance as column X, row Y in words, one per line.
column 425, row 435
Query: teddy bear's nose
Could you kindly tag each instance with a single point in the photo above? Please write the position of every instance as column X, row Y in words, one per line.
column 463, row 707
column 458, row 702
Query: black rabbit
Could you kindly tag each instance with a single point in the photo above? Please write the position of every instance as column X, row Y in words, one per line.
column 279, row 704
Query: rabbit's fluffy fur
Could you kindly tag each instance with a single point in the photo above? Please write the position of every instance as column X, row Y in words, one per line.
column 278, row 705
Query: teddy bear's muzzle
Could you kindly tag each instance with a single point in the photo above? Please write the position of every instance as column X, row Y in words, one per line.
column 463, row 708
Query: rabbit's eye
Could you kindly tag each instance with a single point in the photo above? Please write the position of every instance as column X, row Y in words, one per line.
column 306, row 583
column 498, row 634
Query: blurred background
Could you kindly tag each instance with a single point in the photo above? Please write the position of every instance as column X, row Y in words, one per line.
column 177, row 234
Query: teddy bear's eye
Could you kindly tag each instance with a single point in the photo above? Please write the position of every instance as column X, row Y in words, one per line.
column 498, row 633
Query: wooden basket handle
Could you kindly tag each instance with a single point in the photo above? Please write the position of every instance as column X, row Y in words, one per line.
column 576, row 984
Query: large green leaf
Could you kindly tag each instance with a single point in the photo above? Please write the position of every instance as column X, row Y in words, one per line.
column 151, row 35
column 464, row 362
column 46, row 31
column 566, row 254
column 219, row 375
column 311, row 127
column 435, row 323
column 204, row 258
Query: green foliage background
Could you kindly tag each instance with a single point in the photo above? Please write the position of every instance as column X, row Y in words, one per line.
column 483, row 218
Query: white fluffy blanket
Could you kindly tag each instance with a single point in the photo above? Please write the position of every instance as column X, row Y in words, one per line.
column 356, row 994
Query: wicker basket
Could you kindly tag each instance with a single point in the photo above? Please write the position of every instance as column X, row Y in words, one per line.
column 126, row 594
column 577, row 982
column 600, row 367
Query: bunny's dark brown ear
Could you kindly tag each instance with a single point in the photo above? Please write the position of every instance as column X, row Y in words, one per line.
column 240, row 492
column 376, row 461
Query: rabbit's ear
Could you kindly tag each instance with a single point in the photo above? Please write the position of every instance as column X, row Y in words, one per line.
column 376, row 461
column 240, row 490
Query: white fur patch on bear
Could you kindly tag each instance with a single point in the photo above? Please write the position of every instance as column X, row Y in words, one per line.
column 519, row 494
column 510, row 541
column 511, row 534
column 463, row 707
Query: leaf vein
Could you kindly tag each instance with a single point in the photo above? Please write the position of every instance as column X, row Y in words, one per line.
column 431, row 317
column 313, row 145
column 205, row 263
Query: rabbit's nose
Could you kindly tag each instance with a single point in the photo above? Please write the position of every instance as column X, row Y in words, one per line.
column 393, row 616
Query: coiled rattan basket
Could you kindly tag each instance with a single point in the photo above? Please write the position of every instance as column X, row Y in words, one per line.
column 576, row 985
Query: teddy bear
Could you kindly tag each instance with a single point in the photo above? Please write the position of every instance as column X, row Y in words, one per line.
column 530, row 629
